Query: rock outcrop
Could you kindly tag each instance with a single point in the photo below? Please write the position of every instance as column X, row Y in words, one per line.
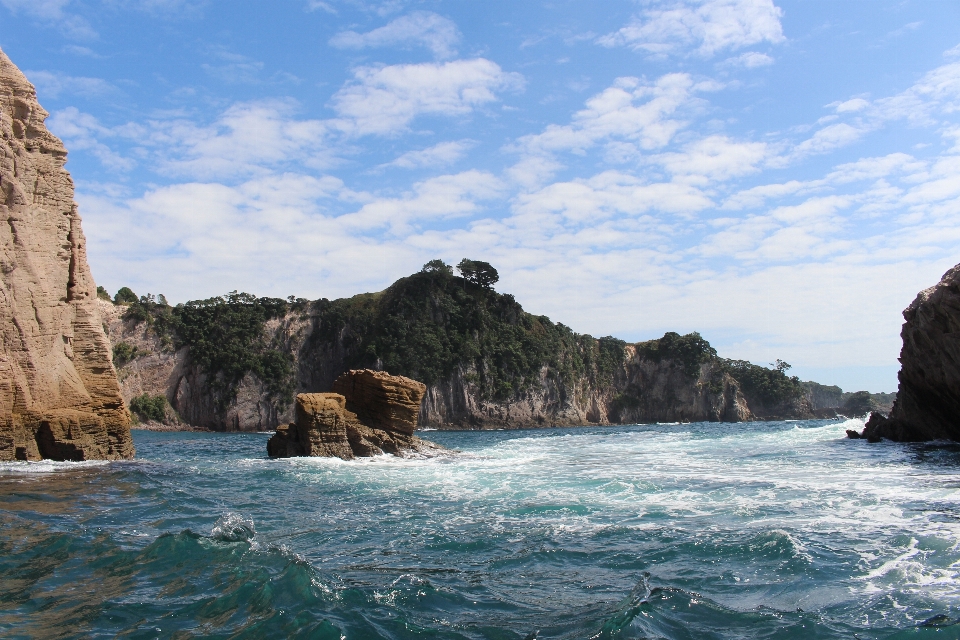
column 928, row 400
column 373, row 413
column 59, row 396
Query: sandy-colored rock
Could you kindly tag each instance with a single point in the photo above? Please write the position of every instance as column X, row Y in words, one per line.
column 59, row 395
column 928, row 400
column 326, row 427
column 382, row 401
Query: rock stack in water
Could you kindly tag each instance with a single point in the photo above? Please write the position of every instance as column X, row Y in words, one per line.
column 368, row 413
column 928, row 400
column 59, row 396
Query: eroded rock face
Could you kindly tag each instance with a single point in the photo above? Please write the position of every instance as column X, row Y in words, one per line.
column 381, row 400
column 928, row 400
column 59, row 396
column 327, row 427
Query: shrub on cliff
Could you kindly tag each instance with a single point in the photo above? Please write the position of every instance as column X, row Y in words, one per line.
column 226, row 339
column 689, row 351
column 123, row 353
column 124, row 296
column 225, row 335
column 772, row 387
column 147, row 407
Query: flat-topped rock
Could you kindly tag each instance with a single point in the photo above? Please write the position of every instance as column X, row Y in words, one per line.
column 59, row 395
column 367, row 415
column 381, row 400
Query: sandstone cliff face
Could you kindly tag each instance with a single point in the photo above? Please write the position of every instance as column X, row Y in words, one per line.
column 641, row 392
column 326, row 426
column 59, row 396
column 928, row 400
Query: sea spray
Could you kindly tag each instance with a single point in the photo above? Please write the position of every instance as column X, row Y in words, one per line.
column 677, row 531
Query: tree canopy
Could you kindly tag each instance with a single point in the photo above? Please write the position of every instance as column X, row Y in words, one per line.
column 478, row 272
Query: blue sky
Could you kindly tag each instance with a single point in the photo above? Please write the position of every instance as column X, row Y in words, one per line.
column 783, row 177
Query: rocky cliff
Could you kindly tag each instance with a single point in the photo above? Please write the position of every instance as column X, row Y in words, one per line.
column 928, row 400
column 485, row 361
column 59, row 396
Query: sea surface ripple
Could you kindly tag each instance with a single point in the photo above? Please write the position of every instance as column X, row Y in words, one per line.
column 757, row 530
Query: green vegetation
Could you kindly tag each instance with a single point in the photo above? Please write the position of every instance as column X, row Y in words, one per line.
column 123, row 353
column 772, row 387
column 689, row 351
column 478, row 272
column 102, row 294
column 124, row 296
column 226, row 339
column 225, row 335
column 147, row 407
column 426, row 325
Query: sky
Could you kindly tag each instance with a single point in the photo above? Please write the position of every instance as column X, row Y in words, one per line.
column 781, row 176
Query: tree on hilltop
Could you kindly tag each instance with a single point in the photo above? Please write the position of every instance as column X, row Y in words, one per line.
column 439, row 267
column 478, row 272
column 125, row 296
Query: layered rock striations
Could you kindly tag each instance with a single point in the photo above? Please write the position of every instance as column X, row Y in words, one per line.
column 59, row 396
column 375, row 413
column 928, row 400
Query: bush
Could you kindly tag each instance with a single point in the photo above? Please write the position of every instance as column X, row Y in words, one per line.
column 123, row 353
column 478, row 272
column 102, row 294
column 225, row 335
column 772, row 387
column 689, row 351
column 125, row 296
column 148, row 407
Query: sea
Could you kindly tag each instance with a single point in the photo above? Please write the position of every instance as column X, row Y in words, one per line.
column 705, row 530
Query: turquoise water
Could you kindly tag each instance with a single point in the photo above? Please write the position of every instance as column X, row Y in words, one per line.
column 761, row 530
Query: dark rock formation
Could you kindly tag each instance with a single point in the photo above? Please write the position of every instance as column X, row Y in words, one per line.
column 387, row 407
column 928, row 400
column 59, row 396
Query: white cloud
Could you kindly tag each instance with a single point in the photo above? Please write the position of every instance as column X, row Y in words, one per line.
column 716, row 158
column 51, row 85
column 829, row 138
column 384, row 100
column 755, row 196
column 246, row 139
column 423, row 28
column 853, row 105
column 313, row 5
column 82, row 132
column 630, row 110
column 53, row 12
column 704, row 26
column 750, row 60
column 439, row 154
column 874, row 168
column 442, row 197
column 607, row 195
